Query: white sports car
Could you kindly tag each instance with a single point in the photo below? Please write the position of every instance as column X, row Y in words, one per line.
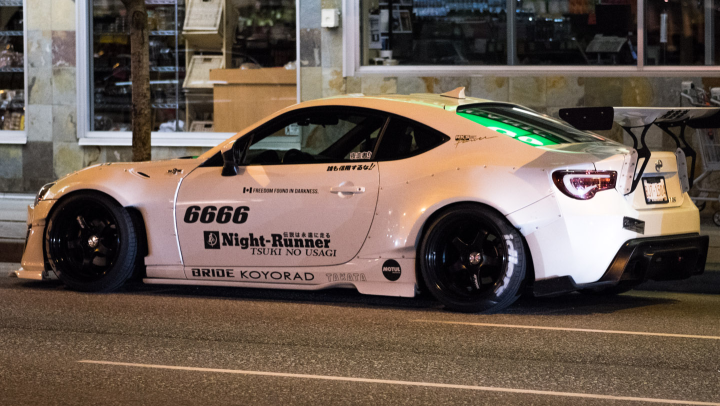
column 470, row 199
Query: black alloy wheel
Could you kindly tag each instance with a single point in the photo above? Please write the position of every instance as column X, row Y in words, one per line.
column 472, row 259
column 91, row 243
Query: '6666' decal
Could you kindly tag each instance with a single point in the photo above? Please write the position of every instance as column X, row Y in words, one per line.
column 210, row 214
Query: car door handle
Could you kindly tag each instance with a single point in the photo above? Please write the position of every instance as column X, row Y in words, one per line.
column 347, row 189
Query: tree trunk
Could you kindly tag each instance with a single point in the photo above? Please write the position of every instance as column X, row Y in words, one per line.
column 140, row 77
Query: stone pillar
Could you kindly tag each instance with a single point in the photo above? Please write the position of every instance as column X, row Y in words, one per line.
column 52, row 150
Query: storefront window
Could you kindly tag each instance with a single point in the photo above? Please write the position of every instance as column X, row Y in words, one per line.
column 572, row 32
column 195, row 46
column 12, row 66
column 434, row 32
column 475, row 32
column 682, row 32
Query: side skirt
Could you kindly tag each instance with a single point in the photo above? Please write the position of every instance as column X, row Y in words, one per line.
column 379, row 276
column 366, row 288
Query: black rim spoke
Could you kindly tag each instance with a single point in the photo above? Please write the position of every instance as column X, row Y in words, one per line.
column 99, row 260
column 81, row 222
column 458, row 266
column 86, row 264
column 480, row 239
column 459, row 245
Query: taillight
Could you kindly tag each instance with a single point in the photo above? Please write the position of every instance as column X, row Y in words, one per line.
column 583, row 185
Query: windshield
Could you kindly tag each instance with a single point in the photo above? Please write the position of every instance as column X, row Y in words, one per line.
column 526, row 125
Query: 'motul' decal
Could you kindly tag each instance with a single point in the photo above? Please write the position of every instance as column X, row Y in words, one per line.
column 391, row 270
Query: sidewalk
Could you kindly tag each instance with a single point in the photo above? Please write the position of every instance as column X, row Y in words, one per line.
column 13, row 214
column 13, row 217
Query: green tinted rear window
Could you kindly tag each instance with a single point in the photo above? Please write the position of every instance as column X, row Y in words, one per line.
column 526, row 126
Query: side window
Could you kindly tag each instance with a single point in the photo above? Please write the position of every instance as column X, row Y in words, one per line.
column 322, row 136
column 405, row 138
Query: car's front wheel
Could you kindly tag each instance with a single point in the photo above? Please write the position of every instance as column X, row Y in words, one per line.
column 472, row 259
column 91, row 243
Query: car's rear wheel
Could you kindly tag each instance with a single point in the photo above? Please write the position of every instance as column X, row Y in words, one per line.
column 91, row 243
column 472, row 259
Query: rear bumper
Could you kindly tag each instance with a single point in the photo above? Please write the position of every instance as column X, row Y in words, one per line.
column 657, row 258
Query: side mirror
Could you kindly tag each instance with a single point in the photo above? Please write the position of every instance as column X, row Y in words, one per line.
column 230, row 163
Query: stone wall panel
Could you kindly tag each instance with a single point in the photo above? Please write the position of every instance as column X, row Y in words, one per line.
column 490, row 87
column 11, row 164
column 528, row 91
column 379, row 85
column 37, row 161
column 63, row 86
column 64, row 123
column 39, row 122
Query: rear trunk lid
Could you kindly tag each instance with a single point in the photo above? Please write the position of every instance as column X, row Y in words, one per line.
column 659, row 186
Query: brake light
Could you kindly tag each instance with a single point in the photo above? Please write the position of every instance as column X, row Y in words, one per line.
column 583, row 185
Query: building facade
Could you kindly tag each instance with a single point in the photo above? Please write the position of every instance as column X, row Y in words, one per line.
column 65, row 72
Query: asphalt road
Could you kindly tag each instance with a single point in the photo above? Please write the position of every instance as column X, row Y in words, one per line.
column 202, row 346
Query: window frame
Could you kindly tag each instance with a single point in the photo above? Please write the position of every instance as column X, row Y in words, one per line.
column 87, row 137
column 291, row 115
column 425, row 127
column 389, row 117
column 19, row 137
column 352, row 55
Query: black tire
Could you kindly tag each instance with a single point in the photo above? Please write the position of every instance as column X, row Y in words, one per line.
column 91, row 244
column 492, row 279
column 621, row 287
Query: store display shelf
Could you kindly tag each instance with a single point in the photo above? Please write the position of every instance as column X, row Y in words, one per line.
column 158, row 33
column 11, row 33
column 117, row 106
column 110, row 69
column 11, row 3
column 12, row 70
column 166, row 105
column 164, row 33
column 166, row 69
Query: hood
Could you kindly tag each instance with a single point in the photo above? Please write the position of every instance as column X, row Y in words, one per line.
column 104, row 176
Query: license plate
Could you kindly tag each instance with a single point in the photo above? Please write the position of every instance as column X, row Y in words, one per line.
column 655, row 190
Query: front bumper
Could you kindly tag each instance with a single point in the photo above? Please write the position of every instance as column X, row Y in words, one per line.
column 657, row 258
column 33, row 261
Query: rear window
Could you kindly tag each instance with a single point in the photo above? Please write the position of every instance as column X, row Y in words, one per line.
column 526, row 125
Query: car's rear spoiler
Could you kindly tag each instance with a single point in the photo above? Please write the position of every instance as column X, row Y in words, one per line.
column 629, row 118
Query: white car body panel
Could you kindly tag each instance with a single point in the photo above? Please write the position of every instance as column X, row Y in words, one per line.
column 566, row 237
column 285, row 200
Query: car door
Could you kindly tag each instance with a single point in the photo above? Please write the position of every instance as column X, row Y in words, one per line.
column 311, row 205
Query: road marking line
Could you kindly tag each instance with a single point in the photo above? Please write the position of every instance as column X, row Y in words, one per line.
column 405, row 383
column 583, row 330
